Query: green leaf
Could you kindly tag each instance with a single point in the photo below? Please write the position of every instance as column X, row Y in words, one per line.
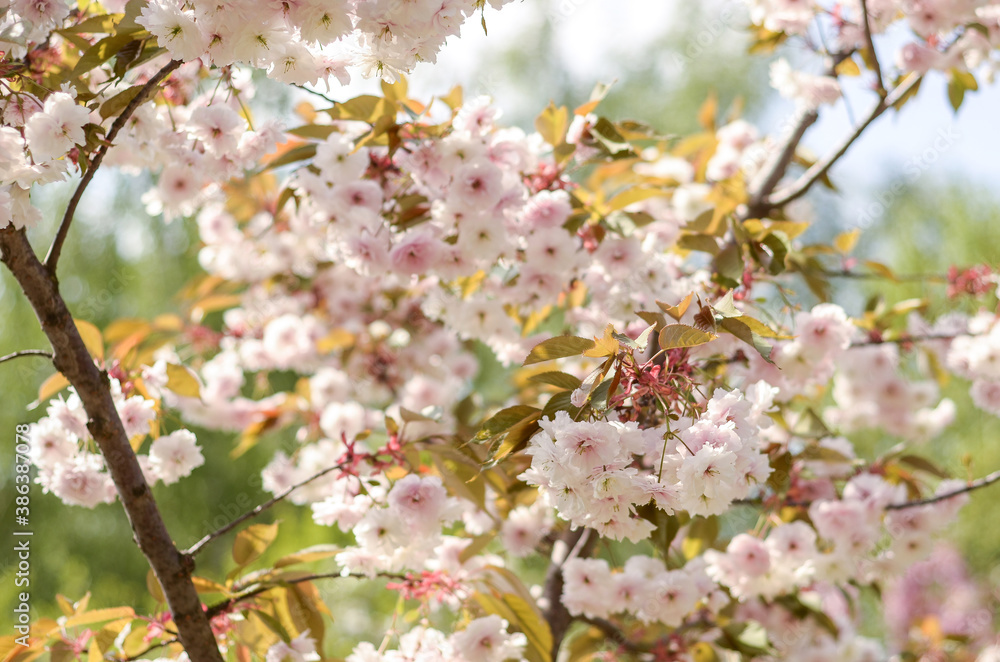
column 101, row 52
column 958, row 82
column 607, row 134
column 746, row 334
column 116, row 104
column 725, row 306
column 823, row 454
column 294, row 155
column 749, row 639
column 251, row 542
column 702, row 243
column 534, row 626
column 317, row 131
column 102, row 24
column 923, row 464
column 522, row 615
column 674, row 336
column 557, row 348
column 558, row 379
column 778, row 242
column 728, row 265
column 503, row 420
column 780, row 477
column 364, row 108
column 517, row 438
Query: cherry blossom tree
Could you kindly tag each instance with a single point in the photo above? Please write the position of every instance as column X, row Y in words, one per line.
column 674, row 447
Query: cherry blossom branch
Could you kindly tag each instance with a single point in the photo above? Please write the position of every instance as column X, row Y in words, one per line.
column 227, row 604
column 802, row 185
column 151, row 648
column 775, row 168
column 988, row 479
column 26, row 352
column 903, row 340
column 871, row 49
column 921, row 278
column 198, row 546
column 73, row 360
column 52, row 259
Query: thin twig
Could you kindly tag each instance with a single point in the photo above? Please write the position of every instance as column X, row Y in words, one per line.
column 972, row 485
column 71, row 357
column 52, row 259
column 871, row 49
column 197, row 547
column 903, row 340
column 869, row 275
column 26, row 352
column 138, row 655
column 775, row 168
column 820, row 168
column 226, row 605
column 314, row 92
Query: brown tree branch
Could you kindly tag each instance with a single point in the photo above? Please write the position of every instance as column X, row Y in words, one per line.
column 227, row 604
column 774, row 169
column 198, row 546
column 26, row 352
column 866, row 22
column 71, row 358
column 579, row 543
column 52, row 259
column 988, row 479
column 802, row 185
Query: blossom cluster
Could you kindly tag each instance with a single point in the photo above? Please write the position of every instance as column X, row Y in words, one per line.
column 482, row 640
column 68, row 465
column 941, row 37
column 597, row 473
column 644, row 589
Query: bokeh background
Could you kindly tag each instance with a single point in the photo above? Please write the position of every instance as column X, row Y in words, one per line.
column 664, row 59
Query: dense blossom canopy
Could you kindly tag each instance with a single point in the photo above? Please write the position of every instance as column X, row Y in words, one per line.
column 379, row 248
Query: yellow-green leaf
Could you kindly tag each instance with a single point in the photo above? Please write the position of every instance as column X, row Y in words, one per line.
column 846, row 241
column 91, row 338
column 251, row 542
column 99, row 616
column 503, row 420
column 674, row 336
column 182, row 381
column 116, row 104
column 307, row 555
column 558, row 379
column 552, row 124
column 557, row 348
